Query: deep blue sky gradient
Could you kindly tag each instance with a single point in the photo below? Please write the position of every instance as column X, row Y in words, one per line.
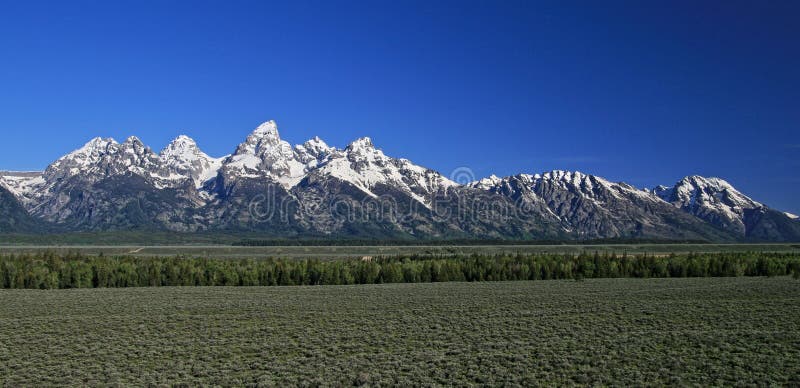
column 644, row 92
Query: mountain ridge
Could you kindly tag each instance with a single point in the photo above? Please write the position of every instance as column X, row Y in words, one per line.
column 270, row 186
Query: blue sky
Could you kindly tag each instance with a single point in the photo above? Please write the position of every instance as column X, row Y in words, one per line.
column 645, row 92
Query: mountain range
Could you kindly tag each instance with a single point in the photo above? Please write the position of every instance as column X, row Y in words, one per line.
column 269, row 187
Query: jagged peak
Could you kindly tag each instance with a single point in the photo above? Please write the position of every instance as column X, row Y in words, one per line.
column 183, row 139
column 264, row 137
column 563, row 175
column 692, row 188
column 97, row 143
column 183, row 147
column 699, row 181
column 180, row 142
column 267, row 129
column 487, row 183
column 133, row 145
column 94, row 148
column 316, row 142
column 313, row 148
column 132, row 140
column 361, row 143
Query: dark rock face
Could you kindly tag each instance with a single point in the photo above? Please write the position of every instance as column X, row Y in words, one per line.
column 13, row 217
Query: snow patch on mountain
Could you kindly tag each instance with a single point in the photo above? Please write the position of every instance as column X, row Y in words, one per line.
column 792, row 216
column 182, row 159
column 101, row 158
column 486, row 183
column 23, row 184
column 590, row 187
column 313, row 151
column 365, row 166
column 699, row 194
column 264, row 155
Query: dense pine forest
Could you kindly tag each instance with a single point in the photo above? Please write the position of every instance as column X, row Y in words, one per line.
column 50, row 271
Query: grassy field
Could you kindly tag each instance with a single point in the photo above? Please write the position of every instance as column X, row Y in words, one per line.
column 323, row 252
column 703, row 331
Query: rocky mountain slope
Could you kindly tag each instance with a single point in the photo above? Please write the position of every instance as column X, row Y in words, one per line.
column 717, row 202
column 592, row 207
column 13, row 217
column 268, row 186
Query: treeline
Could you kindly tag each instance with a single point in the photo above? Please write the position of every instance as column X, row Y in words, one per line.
column 49, row 270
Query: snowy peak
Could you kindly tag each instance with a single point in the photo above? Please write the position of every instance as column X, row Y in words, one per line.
column 23, row 184
column 101, row 158
column 96, row 145
column 317, row 145
column 264, row 136
column 366, row 167
column 713, row 200
column 82, row 159
column 5, row 184
column 264, row 155
column 264, row 140
column 136, row 153
column 313, row 152
column 589, row 185
column 181, row 142
column 792, row 216
column 362, row 143
column 92, row 151
column 546, row 186
column 487, row 183
column 267, row 130
column 714, row 193
column 134, row 141
column 183, row 148
column 578, row 179
column 182, row 159
column 364, row 156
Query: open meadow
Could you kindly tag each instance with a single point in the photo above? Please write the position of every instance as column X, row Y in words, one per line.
column 679, row 331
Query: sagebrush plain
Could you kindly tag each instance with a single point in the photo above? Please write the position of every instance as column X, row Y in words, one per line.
column 689, row 331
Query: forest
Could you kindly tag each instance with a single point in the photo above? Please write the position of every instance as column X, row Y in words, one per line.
column 49, row 270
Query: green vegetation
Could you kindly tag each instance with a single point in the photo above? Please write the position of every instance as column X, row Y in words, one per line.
column 49, row 270
column 621, row 332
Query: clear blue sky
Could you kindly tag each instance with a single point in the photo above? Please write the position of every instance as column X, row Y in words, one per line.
column 644, row 92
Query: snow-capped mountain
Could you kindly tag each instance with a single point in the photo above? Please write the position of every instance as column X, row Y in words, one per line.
column 13, row 216
column 266, row 185
column 364, row 166
column 182, row 159
column 717, row 202
column 592, row 207
column 712, row 199
column 100, row 158
column 264, row 155
column 22, row 184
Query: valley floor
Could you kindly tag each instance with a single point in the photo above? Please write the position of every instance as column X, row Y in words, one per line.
column 688, row 331
column 339, row 252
